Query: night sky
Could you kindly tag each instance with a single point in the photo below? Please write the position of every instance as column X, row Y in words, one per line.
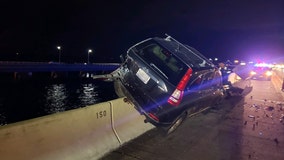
column 227, row 29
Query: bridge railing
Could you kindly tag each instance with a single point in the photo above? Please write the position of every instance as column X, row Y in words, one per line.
column 55, row 67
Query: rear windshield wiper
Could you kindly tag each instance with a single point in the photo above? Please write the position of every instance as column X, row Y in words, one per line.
column 153, row 65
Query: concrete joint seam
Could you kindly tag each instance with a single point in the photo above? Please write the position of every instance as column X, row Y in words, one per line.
column 112, row 123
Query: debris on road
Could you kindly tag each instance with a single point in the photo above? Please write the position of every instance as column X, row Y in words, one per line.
column 281, row 118
column 251, row 116
column 276, row 141
column 269, row 108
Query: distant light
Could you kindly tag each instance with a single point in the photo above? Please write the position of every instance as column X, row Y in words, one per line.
column 216, row 59
column 89, row 51
column 243, row 63
column 58, row 47
column 263, row 65
column 236, row 61
column 252, row 73
column 268, row 73
column 279, row 66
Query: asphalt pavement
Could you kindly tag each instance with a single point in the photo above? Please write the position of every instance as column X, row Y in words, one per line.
column 241, row 128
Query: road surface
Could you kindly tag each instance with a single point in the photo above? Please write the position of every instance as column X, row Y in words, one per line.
column 240, row 129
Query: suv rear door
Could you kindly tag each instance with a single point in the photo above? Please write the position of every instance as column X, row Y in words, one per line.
column 205, row 89
column 210, row 89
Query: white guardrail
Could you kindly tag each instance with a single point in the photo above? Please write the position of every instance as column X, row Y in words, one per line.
column 81, row 134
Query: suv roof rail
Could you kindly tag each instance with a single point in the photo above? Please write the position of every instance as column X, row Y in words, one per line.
column 168, row 37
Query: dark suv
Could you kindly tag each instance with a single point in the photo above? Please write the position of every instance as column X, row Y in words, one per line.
column 168, row 81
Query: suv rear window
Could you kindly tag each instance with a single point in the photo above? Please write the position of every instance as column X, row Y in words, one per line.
column 161, row 60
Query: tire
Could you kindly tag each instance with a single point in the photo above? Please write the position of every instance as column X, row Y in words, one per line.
column 176, row 123
column 221, row 98
column 227, row 94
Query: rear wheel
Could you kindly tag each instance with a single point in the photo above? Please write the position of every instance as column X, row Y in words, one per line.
column 176, row 123
column 219, row 99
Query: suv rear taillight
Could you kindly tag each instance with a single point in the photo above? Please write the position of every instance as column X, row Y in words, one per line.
column 177, row 95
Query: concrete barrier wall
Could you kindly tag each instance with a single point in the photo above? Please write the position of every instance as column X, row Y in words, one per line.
column 279, row 72
column 80, row 134
column 277, row 82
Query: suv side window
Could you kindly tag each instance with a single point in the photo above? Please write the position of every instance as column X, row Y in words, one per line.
column 207, row 81
column 217, row 82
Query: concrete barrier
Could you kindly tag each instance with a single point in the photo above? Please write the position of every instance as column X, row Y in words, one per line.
column 277, row 81
column 80, row 134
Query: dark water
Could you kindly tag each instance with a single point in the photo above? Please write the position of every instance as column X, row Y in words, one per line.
column 22, row 100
